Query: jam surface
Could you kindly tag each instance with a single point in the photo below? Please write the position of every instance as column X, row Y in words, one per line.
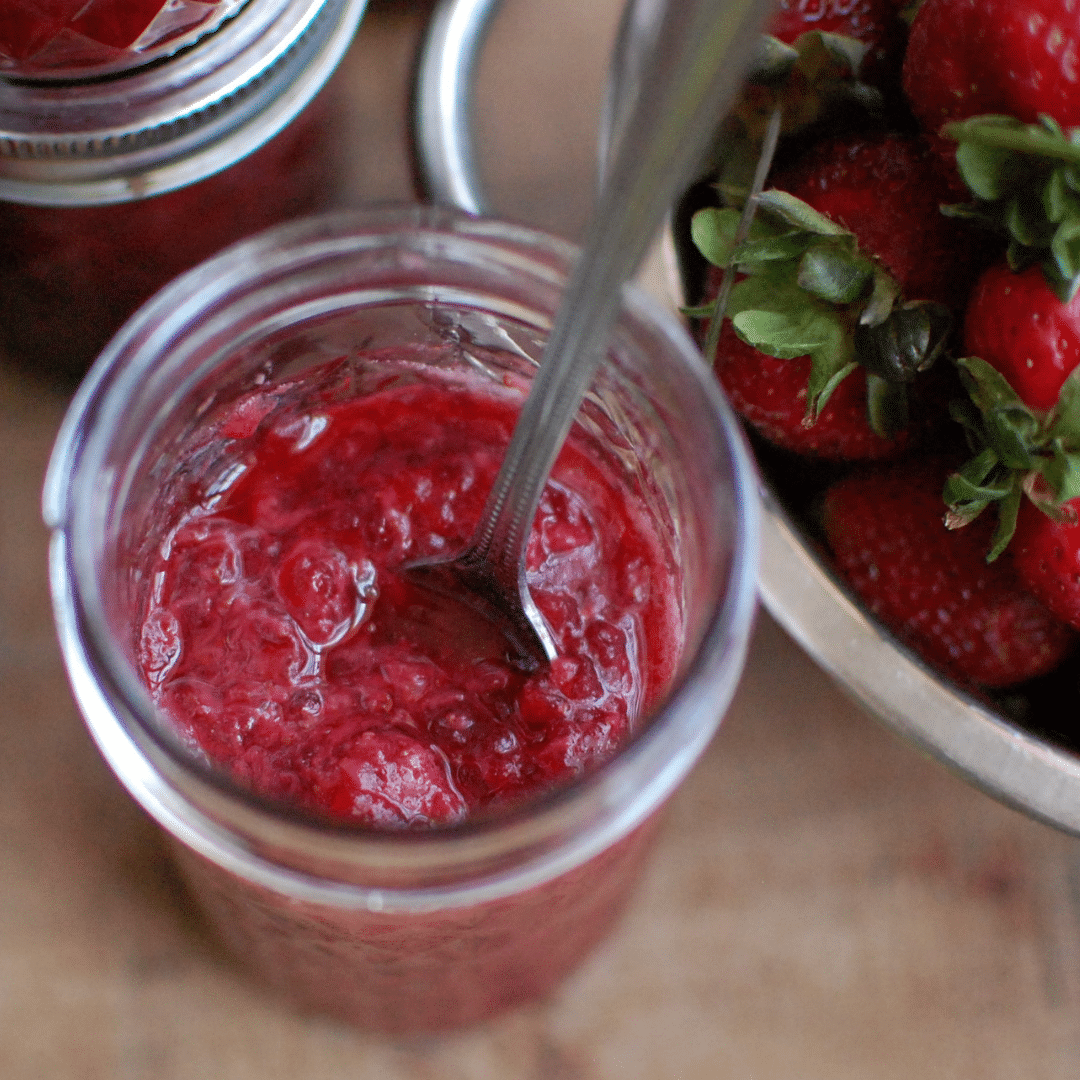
column 283, row 643
column 59, row 37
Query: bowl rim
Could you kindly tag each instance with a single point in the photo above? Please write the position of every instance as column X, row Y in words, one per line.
column 795, row 585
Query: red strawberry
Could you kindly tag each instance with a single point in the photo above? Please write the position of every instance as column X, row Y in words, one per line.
column 874, row 23
column 1017, row 324
column 1046, row 554
column 865, row 206
column 888, row 191
column 1023, row 376
column 1019, row 58
column 770, row 394
column 934, row 588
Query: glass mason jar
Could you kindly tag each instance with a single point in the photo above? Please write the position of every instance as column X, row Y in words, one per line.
column 124, row 163
column 395, row 930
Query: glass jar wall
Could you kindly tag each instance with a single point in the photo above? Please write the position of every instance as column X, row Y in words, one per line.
column 426, row 925
column 124, row 161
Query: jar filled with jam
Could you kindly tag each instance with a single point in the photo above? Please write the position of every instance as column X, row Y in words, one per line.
column 383, row 813
column 139, row 137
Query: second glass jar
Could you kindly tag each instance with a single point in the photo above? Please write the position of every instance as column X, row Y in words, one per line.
column 113, row 183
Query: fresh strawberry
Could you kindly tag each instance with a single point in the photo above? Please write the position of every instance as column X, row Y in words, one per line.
column 1020, row 58
column 770, row 393
column 874, row 23
column 852, row 274
column 887, row 190
column 1022, row 373
column 1015, row 323
column 1046, row 554
column 933, row 587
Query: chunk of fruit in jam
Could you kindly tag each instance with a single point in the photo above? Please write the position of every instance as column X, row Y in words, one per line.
column 57, row 35
column 284, row 644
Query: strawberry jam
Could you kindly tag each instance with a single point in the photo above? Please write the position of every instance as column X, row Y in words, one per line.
column 76, row 37
column 71, row 275
column 285, row 645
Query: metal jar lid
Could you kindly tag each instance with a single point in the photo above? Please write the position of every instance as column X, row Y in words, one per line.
column 174, row 122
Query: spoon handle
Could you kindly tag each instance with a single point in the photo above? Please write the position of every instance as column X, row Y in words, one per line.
column 689, row 76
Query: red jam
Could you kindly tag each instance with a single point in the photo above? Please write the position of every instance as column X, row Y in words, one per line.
column 285, row 645
column 71, row 276
column 61, row 37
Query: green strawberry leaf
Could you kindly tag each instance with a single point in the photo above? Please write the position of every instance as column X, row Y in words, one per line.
column 1017, row 452
column 826, row 56
column 1061, row 285
column 1026, row 222
column 1019, row 257
column 1008, row 508
column 987, row 387
column 1063, row 420
column 712, row 230
column 806, row 80
column 757, row 250
column 906, row 343
column 1065, row 248
column 997, row 132
column 987, row 171
column 978, row 214
column 1051, row 125
column 778, row 333
column 972, row 488
column 828, row 372
column 772, row 62
column 1011, row 433
column 805, row 289
column 778, row 318
column 883, row 297
column 886, row 406
column 964, row 412
column 829, row 271
column 798, row 213
column 1009, row 426
column 974, row 479
column 1058, row 197
column 1061, row 471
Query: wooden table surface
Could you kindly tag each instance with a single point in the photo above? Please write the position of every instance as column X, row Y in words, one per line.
column 825, row 902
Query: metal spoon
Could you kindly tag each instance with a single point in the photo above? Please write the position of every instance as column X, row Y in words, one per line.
column 687, row 78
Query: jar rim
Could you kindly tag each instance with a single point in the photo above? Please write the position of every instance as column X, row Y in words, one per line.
column 207, row 812
column 176, row 121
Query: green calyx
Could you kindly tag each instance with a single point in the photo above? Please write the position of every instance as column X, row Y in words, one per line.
column 807, row 80
column 1018, row 452
column 1026, row 183
column 807, row 289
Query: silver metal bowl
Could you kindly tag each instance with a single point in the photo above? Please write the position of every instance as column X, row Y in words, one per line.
column 796, row 586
